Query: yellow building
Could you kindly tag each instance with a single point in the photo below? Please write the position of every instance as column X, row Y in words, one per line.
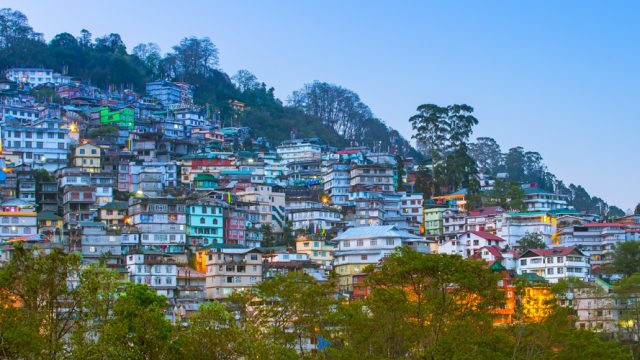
column 114, row 213
column 87, row 157
column 319, row 251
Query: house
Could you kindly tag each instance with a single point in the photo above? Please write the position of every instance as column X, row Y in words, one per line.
column 469, row 242
column 17, row 218
column 114, row 213
column 597, row 240
column 123, row 118
column 159, row 271
column 555, row 263
column 87, row 157
column 359, row 247
column 232, row 269
column 299, row 150
column 517, row 225
column 318, row 251
column 433, row 221
column 160, row 223
column 43, row 144
column 205, row 223
column 31, row 76
column 493, row 254
column 371, row 176
column 190, row 290
column 537, row 199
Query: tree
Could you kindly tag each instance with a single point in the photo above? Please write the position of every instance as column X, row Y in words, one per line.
column 531, row 241
column 107, row 133
column 423, row 183
column 294, row 308
column 244, row 80
column 247, row 144
column 14, row 28
column 486, row 152
column 636, row 211
column 47, row 299
column 626, row 258
column 195, row 56
column 137, row 328
column 514, row 163
column 149, row 53
column 435, row 299
column 515, row 195
column 111, row 43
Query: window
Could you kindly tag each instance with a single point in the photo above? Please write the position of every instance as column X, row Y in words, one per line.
column 550, row 271
column 374, row 242
column 229, row 279
column 560, row 270
column 549, row 260
column 523, row 262
column 360, row 243
column 364, row 257
column 347, row 243
column 254, row 257
column 389, row 242
column 202, row 221
column 168, row 280
column 81, row 151
column 559, row 259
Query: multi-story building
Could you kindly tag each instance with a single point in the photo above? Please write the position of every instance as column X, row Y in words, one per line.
column 205, row 223
column 31, row 76
column 26, row 185
column 371, row 176
column 98, row 243
column 87, row 157
column 335, row 181
column 44, row 144
column 555, row 263
column 160, row 223
column 433, row 221
column 48, row 197
column 268, row 201
column 299, row 150
column 318, row 218
column 597, row 240
column 17, row 218
column 412, row 207
column 470, row 242
column 318, row 251
column 487, row 219
column 159, row 271
column 123, row 118
column 359, row 247
column 517, row 225
column 114, row 213
column 537, row 199
column 151, row 178
column 232, row 269
column 170, row 93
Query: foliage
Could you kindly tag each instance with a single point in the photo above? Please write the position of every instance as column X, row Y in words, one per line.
column 636, row 211
column 626, row 258
column 531, row 241
column 443, row 133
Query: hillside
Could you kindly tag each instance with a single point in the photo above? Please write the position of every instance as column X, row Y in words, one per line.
column 105, row 62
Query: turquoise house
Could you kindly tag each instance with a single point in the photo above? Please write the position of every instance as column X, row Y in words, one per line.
column 205, row 224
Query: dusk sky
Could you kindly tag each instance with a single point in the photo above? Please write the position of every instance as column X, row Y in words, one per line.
column 556, row 77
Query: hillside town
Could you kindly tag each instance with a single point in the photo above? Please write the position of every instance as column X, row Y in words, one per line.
column 156, row 188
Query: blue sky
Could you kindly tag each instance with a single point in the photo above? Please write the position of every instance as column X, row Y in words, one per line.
column 560, row 78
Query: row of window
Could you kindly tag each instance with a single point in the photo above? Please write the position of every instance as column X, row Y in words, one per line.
column 387, row 242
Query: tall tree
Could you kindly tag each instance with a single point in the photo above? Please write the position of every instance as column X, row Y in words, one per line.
column 486, row 152
column 196, row 56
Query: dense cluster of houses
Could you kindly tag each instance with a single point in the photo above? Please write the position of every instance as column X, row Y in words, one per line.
column 155, row 187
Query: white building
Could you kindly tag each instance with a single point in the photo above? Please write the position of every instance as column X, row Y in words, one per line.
column 470, row 242
column 517, row 225
column 541, row 200
column 359, row 247
column 412, row 207
column 43, row 144
column 152, row 177
column 232, row 269
column 335, row 181
column 156, row 270
column 299, row 150
column 554, row 264
column 597, row 240
column 495, row 254
column 17, row 218
column 32, row 76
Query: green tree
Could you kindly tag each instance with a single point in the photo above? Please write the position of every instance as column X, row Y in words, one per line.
column 137, row 328
column 626, row 258
column 515, row 195
column 400, row 172
column 487, row 153
column 47, row 300
column 531, row 241
column 636, row 211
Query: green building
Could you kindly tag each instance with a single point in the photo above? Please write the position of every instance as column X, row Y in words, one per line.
column 122, row 118
column 433, row 221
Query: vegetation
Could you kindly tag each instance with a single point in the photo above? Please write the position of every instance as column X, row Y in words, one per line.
column 531, row 241
column 420, row 306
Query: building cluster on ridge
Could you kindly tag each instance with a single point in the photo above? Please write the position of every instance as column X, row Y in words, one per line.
column 152, row 185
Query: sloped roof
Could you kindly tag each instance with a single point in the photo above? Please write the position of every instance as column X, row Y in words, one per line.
column 486, row 235
column 554, row 251
column 602, row 225
column 116, row 205
column 375, row 232
column 486, row 211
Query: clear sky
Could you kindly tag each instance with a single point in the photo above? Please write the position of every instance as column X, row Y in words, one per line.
column 558, row 77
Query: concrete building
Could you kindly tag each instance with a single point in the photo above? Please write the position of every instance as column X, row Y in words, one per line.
column 232, row 269
column 537, row 199
column 156, row 270
column 359, row 247
column 335, row 181
column 205, row 223
column 468, row 243
column 160, row 222
column 17, row 218
column 318, row 251
column 44, row 144
column 555, row 263
column 31, row 76
column 299, row 150
column 87, row 157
